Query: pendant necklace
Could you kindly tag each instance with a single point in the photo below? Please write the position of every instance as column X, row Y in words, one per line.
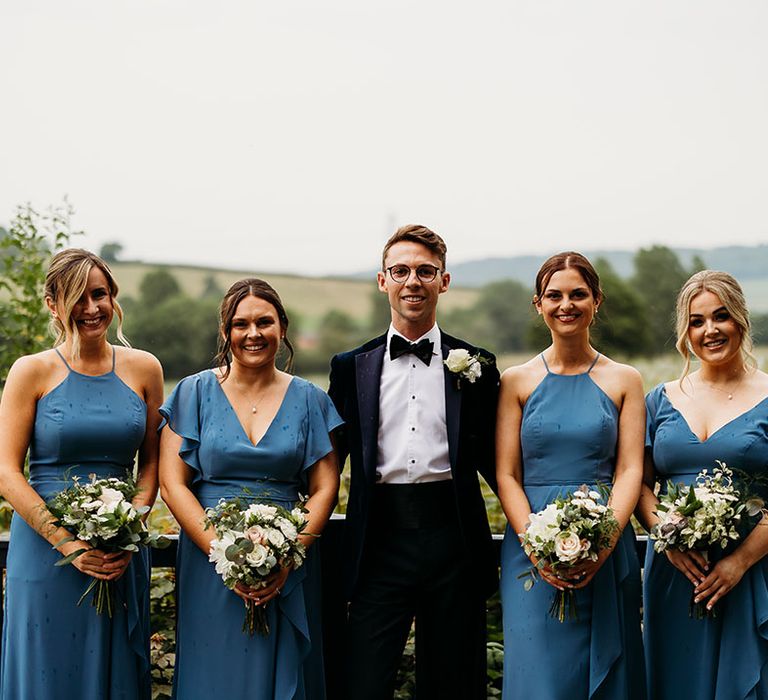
column 255, row 404
column 730, row 393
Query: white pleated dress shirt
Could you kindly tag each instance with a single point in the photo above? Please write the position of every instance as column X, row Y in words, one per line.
column 413, row 438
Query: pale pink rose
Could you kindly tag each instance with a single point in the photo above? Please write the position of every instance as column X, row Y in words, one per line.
column 256, row 534
column 568, row 547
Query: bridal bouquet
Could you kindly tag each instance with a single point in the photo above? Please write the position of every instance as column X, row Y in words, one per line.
column 570, row 530
column 100, row 513
column 253, row 541
column 702, row 515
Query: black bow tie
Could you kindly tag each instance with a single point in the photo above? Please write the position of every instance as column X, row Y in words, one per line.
column 400, row 346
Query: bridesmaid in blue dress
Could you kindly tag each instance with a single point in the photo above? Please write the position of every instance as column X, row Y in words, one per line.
column 567, row 417
column 718, row 412
column 84, row 407
column 247, row 425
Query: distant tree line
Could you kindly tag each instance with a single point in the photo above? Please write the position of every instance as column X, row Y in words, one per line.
column 637, row 317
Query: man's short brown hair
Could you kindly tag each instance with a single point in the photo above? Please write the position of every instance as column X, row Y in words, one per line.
column 418, row 234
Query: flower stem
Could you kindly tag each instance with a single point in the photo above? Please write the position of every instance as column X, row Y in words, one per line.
column 564, row 606
column 255, row 619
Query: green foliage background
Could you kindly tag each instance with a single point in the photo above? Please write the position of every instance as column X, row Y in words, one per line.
column 25, row 248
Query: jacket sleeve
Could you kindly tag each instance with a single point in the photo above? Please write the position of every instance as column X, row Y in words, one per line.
column 488, row 399
column 337, row 392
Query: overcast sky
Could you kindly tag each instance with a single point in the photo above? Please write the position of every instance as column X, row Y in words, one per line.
column 296, row 135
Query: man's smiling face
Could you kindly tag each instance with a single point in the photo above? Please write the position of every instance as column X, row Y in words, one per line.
column 413, row 302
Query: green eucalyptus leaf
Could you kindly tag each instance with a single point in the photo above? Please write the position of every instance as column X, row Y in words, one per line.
column 232, row 552
column 71, row 557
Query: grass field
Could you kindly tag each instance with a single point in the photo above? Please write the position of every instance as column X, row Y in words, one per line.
column 310, row 297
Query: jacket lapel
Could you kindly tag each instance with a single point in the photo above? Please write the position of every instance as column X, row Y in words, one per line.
column 452, row 409
column 368, row 374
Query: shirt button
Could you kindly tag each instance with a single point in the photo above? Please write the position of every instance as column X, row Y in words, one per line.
column 413, row 397
column 414, row 366
column 413, row 461
column 413, row 428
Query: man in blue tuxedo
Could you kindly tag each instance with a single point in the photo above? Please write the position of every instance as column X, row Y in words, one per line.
column 417, row 542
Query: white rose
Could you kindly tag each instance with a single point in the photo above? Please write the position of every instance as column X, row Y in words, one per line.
column 550, row 516
column 473, row 372
column 261, row 510
column 287, row 527
column 457, row 360
column 110, row 499
column 258, row 556
column 543, row 525
column 568, row 547
column 275, row 537
column 590, row 505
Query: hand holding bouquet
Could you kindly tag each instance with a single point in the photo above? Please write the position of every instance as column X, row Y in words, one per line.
column 700, row 516
column 254, row 541
column 99, row 512
column 568, row 531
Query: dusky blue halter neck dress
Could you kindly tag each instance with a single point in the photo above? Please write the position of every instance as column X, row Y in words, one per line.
column 214, row 658
column 53, row 649
column 568, row 437
column 721, row 658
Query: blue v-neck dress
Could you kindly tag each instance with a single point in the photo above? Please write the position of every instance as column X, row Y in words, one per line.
column 725, row 657
column 568, row 437
column 214, row 658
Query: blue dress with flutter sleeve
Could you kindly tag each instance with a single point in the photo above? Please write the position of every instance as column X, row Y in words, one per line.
column 723, row 657
column 568, row 436
column 53, row 648
column 214, row 658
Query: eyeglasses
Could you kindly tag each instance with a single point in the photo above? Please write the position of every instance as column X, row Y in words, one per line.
column 401, row 273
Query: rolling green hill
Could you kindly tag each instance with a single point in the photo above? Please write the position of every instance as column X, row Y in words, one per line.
column 311, row 297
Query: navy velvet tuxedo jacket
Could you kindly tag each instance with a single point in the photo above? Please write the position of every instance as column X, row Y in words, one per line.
column 471, row 421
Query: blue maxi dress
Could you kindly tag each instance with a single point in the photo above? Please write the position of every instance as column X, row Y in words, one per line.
column 568, row 438
column 52, row 648
column 214, row 658
column 725, row 657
